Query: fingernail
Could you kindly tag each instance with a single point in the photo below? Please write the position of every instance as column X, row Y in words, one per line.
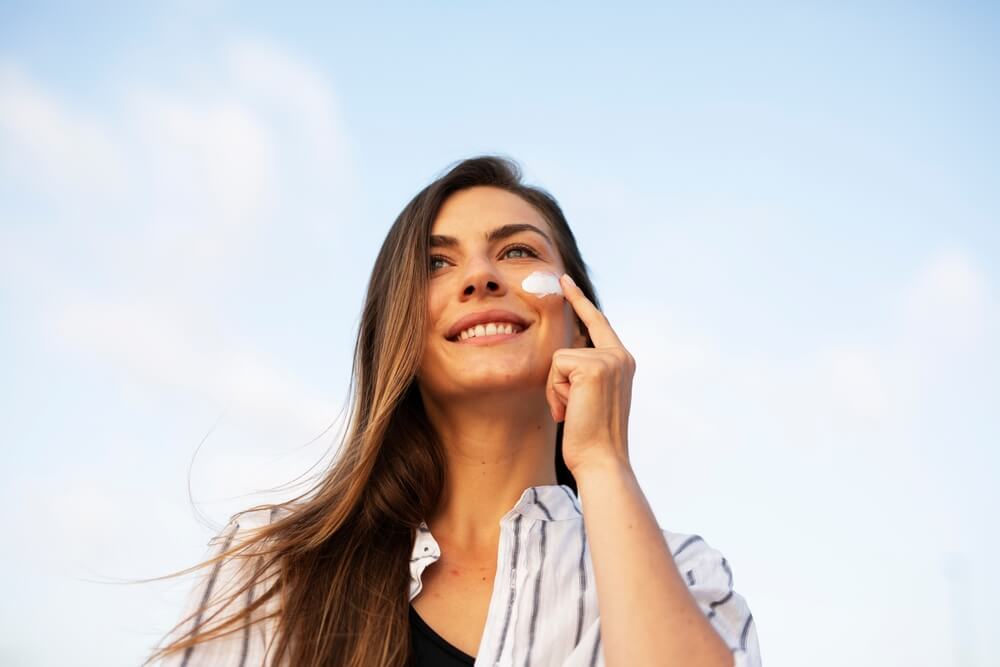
column 570, row 279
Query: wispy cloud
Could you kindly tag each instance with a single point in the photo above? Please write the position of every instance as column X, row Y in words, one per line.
column 161, row 348
column 209, row 161
column 948, row 305
column 51, row 147
column 198, row 180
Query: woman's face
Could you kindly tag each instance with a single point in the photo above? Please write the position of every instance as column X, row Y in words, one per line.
column 484, row 242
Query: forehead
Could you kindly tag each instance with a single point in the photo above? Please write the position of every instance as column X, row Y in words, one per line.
column 472, row 212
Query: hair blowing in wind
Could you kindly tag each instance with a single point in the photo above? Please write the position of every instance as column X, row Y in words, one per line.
column 330, row 570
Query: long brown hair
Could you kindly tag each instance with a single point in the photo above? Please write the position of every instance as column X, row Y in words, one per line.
column 335, row 558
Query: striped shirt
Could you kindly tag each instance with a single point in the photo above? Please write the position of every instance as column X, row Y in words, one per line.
column 544, row 609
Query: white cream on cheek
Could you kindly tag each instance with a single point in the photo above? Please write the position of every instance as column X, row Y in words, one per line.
column 541, row 283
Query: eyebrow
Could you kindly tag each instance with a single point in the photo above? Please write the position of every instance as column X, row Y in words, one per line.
column 498, row 234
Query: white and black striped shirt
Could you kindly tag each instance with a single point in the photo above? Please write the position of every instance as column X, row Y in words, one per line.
column 544, row 608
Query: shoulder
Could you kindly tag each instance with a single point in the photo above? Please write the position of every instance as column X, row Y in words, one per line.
column 240, row 535
column 709, row 578
column 256, row 517
column 244, row 525
column 241, row 564
column 705, row 569
column 689, row 548
column 224, row 589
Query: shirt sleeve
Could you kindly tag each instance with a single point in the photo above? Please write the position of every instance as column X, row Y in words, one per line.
column 215, row 585
column 709, row 577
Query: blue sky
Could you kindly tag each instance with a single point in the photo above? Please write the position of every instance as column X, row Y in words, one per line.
column 790, row 213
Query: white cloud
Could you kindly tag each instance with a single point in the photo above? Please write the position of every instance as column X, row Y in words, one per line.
column 204, row 183
column 855, row 383
column 208, row 161
column 270, row 73
column 948, row 303
column 699, row 399
column 297, row 98
column 51, row 147
column 162, row 349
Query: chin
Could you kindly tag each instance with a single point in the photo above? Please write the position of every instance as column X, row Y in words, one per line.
column 493, row 380
column 469, row 382
column 447, row 376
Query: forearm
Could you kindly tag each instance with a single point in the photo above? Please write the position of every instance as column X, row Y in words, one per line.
column 648, row 617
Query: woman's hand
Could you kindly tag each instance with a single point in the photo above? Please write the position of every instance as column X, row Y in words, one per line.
column 590, row 389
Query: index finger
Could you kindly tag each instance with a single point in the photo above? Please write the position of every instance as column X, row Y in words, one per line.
column 597, row 324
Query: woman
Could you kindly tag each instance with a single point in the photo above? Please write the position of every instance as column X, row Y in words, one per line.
column 482, row 507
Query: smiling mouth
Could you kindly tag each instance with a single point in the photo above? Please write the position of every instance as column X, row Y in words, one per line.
column 482, row 334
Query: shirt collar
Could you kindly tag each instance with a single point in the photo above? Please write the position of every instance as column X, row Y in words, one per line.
column 548, row 502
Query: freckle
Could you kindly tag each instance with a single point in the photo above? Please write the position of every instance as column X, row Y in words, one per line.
column 484, row 578
column 455, row 572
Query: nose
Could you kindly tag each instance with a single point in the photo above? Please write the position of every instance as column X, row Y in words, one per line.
column 483, row 280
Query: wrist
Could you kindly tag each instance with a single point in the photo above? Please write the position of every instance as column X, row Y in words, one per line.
column 601, row 467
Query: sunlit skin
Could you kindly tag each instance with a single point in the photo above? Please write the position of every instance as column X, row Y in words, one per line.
column 477, row 275
column 487, row 399
column 495, row 405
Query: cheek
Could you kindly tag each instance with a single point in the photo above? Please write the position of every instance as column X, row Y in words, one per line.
column 569, row 327
column 559, row 317
column 435, row 306
column 432, row 357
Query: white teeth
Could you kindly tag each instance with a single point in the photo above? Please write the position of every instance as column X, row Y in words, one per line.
column 490, row 329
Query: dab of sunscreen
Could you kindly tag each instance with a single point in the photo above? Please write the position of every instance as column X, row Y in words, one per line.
column 541, row 283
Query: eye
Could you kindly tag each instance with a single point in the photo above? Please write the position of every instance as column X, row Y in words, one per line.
column 438, row 258
column 525, row 250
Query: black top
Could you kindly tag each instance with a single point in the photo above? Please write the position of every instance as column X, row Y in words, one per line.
column 430, row 649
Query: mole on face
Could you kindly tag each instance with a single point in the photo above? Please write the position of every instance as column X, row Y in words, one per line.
column 542, row 283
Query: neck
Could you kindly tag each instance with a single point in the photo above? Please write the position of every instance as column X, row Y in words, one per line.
column 496, row 446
